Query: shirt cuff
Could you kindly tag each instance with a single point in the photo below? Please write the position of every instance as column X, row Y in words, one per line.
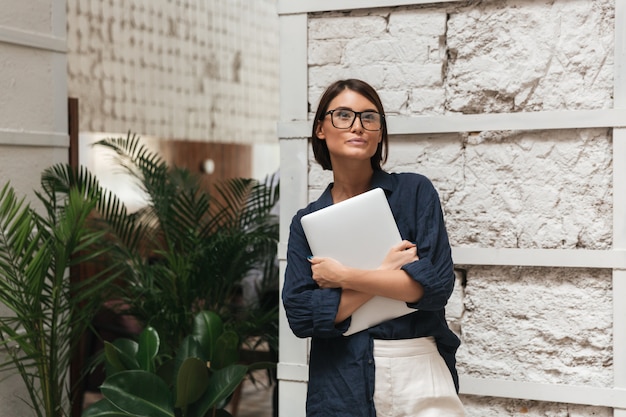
column 436, row 288
column 326, row 301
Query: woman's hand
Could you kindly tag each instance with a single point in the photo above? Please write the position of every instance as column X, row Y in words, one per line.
column 388, row 280
column 327, row 272
column 403, row 253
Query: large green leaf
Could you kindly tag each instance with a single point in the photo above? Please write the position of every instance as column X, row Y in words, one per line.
column 189, row 348
column 226, row 350
column 103, row 408
column 121, row 355
column 139, row 393
column 207, row 328
column 148, row 349
column 192, row 381
column 223, row 383
column 113, row 363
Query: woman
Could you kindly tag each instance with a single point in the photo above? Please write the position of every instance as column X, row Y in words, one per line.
column 401, row 367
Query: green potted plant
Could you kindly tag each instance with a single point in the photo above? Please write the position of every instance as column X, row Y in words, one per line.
column 197, row 382
column 48, row 312
column 188, row 249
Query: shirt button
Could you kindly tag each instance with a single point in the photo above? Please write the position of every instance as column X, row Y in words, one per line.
column 370, row 361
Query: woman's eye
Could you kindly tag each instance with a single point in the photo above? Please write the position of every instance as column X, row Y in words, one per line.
column 369, row 117
column 344, row 114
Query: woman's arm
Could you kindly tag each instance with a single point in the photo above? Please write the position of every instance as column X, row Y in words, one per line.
column 395, row 284
column 359, row 286
column 310, row 310
column 350, row 302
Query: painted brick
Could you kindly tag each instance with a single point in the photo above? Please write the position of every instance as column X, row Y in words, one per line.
column 325, row 52
column 417, row 22
column 427, row 101
column 513, row 331
column 531, row 56
column 341, row 27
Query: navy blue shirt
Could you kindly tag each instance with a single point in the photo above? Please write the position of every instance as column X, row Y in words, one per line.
column 341, row 368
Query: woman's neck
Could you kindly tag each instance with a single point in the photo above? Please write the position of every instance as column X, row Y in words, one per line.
column 348, row 183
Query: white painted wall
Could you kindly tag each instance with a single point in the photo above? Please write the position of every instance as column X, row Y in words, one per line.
column 33, row 90
column 190, row 70
column 33, row 116
column 526, row 330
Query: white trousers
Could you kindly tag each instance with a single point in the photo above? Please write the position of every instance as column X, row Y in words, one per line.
column 412, row 380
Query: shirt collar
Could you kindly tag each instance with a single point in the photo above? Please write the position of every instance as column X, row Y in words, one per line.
column 380, row 179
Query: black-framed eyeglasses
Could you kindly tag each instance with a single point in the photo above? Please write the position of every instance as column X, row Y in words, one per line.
column 344, row 119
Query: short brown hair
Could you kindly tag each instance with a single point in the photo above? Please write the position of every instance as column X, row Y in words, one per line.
column 320, row 148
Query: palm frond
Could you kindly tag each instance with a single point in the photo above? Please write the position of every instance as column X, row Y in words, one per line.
column 59, row 179
column 188, row 248
column 48, row 312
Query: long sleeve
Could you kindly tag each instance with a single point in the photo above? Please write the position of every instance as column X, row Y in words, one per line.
column 310, row 310
column 434, row 270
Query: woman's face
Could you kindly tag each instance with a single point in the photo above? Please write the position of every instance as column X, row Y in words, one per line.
column 355, row 142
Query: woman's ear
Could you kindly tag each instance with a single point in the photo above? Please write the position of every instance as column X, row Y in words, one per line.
column 319, row 131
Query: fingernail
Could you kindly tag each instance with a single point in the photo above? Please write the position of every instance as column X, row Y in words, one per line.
column 309, row 257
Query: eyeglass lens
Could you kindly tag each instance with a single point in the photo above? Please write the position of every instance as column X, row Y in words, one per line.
column 344, row 118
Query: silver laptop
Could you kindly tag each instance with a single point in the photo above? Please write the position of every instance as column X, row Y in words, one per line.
column 358, row 232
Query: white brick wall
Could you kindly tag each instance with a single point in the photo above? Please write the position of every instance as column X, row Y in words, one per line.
column 183, row 70
column 516, row 189
column 531, row 56
column 538, row 325
column 532, row 189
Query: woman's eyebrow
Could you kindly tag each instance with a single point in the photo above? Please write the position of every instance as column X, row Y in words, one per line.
column 350, row 108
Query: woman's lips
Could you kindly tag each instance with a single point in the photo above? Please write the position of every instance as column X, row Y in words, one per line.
column 357, row 141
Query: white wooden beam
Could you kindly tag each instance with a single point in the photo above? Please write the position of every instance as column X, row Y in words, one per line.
column 293, row 68
column 309, row 6
column 290, row 393
column 58, row 20
column 619, row 275
column 33, row 39
column 58, row 70
column 619, row 79
column 31, row 138
column 619, row 204
column 543, row 120
column 564, row 258
column 569, row 394
column 293, row 372
column 293, row 189
column 452, row 123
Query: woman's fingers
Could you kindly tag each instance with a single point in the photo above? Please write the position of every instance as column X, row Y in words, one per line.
column 400, row 254
column 405, row 244
column 326, row 272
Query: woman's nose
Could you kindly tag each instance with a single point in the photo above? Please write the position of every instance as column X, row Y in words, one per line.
column 355, row 127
